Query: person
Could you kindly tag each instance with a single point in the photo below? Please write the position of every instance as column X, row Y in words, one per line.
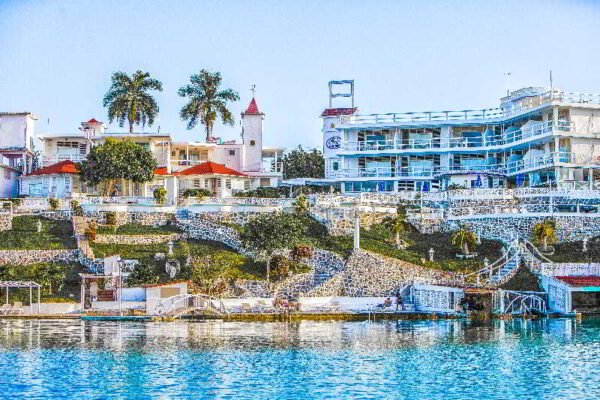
column 387, row 303
column 399, row 301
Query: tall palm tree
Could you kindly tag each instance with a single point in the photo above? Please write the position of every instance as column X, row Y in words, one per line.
column 544, row 233
column 128, row 99
column 206, row 101
column 464, row 240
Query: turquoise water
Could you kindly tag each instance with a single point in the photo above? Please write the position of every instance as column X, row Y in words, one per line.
column 554, row 359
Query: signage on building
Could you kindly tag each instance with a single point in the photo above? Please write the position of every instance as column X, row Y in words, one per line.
column 332, row 143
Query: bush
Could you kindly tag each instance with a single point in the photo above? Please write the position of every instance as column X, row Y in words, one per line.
column 301, row 251
column 76, row 209
column 54, row 203
column 160, row 195
column 265, row 192
column 90, row 232
column 199, row 193
column 111, row 218
column 280, row 267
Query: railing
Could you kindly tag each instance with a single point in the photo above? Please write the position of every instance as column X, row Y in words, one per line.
column 56, row 158
column 496, row 272
column 508, row 110
column 513, row 302
column 117, row 200
column 524, row 209
column 570, row 269
column 195, row 301
column 505, row 138
column 247, row 201
column 265, row 167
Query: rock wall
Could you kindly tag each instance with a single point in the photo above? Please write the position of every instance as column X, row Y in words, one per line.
column 25, row 257
column 6, row 221
column 131, row 217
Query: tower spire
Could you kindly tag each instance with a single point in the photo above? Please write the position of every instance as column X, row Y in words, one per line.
column 253, row 90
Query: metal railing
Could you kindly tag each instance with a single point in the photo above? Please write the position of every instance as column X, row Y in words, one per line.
column 182, row 302
column 117, row 200
column 498, row 113
column 504, row 139
column 50, row 159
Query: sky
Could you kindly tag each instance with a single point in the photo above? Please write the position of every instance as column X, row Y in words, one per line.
column 57, row 56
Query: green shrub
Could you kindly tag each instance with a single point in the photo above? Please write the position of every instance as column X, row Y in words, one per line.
column 76, row 209
column 90, row 232
column 111, row 218
column 301, row 251
column 160, row 195
column 54, row 204
column 199, row 193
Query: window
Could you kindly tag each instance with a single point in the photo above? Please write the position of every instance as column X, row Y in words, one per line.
column 218, row 182
column 69, row 145
column 173, row 153
column 246, row 185
column 228, row 184
column 265, row 182
column 82, row 148
column 336, row 165
column 196, row 183
column 145, row 145
column 232, row 152
column 252, row 143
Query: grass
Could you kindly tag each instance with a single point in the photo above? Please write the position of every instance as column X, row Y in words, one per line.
column 136, row 229
column 380, row 240
column 55, row 235
column 212, row 260
column 572, row 252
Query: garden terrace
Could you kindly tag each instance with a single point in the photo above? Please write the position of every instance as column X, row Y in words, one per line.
column 572, row 252
column 54, row 235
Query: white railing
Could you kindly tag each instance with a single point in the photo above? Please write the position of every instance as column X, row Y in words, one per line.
column 496, row 272
column 508, row 110
column 181, row 302
column 50, row 159
column 570, row 269
column 265, row 167
column 248, row 201
column 505, row 139
column 523, row 209
column 117, row 200
column 385, row 172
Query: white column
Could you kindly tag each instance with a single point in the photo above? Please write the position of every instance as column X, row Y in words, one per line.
column 591, row 178
column 356, row 231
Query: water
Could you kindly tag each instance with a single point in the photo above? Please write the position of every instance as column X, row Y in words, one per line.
column 307, row 360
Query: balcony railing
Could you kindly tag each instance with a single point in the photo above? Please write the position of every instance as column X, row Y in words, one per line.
column 266, row 167
column 510, row 168
column 506, row 138
column 50, row 159
column 482, row 114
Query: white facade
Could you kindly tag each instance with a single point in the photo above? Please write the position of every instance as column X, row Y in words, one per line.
column 537, row 137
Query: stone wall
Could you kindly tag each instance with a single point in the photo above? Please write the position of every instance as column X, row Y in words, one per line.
column 501, row 228
column 131, row 217
column 6, row 221
column 138, row 239
column 238, row 218
column 25, row 257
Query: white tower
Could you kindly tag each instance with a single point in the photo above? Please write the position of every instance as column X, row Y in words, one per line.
column 252, row 120
column 332, row 118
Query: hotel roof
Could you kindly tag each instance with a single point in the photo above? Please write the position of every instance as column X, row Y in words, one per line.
column 63, row 167
column 580, row 281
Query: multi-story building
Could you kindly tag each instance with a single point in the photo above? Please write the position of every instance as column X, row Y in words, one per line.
column 537, row 137
column 249, row 162
column 16, row 149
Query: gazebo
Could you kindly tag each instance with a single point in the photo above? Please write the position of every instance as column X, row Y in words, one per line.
column 23, row 285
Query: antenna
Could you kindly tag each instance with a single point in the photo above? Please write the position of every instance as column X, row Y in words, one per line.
column 253, row 90
column 507, row 74
column 551, row 83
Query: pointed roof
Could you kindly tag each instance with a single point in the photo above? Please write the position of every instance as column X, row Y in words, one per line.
column 252, row 108
column 93, row 121
column 63, row 167
column 210, row 168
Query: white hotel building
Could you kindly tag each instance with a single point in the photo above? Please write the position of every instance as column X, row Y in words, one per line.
column 537, row 137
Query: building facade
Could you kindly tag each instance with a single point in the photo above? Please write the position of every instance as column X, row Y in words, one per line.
column 251, row 163
column 538, row 137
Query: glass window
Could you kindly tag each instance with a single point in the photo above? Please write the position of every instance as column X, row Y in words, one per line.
column 336, row 166
column 252, row 143
column 232, row 152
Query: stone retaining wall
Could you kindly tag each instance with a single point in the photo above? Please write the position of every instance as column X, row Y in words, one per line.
column 6, row 221
column 131, row 217
column 138, row 239
column 25, row 257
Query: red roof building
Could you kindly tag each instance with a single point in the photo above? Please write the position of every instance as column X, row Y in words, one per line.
column 63, row 167
column 210, row 168
column 252, row 108
column 162, row 171
column 580, row 281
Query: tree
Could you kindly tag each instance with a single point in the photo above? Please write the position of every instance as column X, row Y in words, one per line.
column 270, row 232
column 544, row 233
column 301, row 206
column 143, row 274
column 464, row 240
column 300, row 163
column 117, row 159
column 206, row 101
column 399, row 224
column 128, row 99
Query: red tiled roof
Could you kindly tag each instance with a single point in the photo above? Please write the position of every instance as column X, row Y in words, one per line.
column 63, row 167
column 210, row 168
column 580, row 281
column 92, row 121
column 166, row 283
column 252, row 108
column 161, row 171
column 334, row 112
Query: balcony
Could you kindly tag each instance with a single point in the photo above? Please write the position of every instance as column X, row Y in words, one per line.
column 50, row 159
column 265, row 167
column 527, row 165
column 497, row 113
column 447, row 144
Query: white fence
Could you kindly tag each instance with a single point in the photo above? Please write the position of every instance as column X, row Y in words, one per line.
column 570, row 269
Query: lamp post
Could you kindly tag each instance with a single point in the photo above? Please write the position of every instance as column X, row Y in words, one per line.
column 170, row 247
column 120, row 289
column 431, row 253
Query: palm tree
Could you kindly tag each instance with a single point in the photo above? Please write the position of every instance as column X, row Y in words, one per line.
column 544, row 232
column 464, row 240
column 128, row 99
column 206, row 101
column 399, row 224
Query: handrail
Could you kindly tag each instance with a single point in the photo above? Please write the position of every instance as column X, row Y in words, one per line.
column 527, row 242
column 163, row 309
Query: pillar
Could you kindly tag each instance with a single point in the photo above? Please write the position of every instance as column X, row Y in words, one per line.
column 356, row 230
column 591, row 178
column 555, row 116
column 82, row 294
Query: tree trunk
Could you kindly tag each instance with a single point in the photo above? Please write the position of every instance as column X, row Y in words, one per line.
column 398, row 240
column 545, row 241
column 268, row 268
column 465, row 247
column 130, row 126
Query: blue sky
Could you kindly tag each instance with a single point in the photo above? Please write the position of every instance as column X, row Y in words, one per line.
column 57, row 56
